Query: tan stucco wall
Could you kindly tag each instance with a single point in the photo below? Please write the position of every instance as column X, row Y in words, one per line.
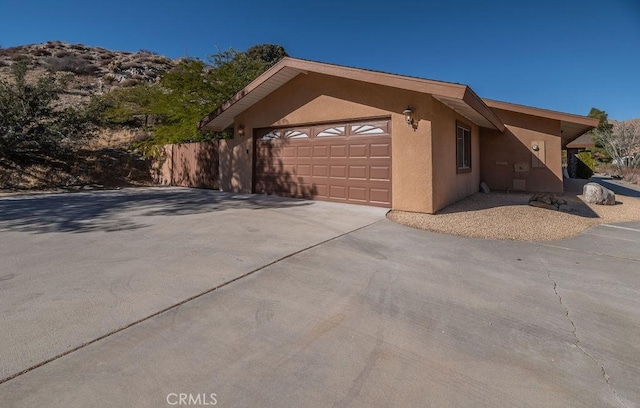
column 501, row 151
column 448, row 185
column 311, row 97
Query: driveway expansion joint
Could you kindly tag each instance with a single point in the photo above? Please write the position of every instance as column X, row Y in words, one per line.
column 177, row 305
column 574, row 330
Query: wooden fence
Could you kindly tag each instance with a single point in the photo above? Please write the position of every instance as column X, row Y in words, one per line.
column 189, row 165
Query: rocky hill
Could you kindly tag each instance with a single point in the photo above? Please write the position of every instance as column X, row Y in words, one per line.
column 93, row 70
column 106, row 160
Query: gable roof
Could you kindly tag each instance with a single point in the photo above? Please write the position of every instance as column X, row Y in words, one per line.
column 458, row 97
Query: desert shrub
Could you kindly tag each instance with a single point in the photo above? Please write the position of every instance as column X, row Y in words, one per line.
column 23, row 58
column 130, row 64
column 607, row 168
column 109, row 79
column 41, row 52
column 129, row 82
column 160, row 60
column 631, row 175
column 62, row 54
column 585, row 165
column 78, row 47
column 72, row 63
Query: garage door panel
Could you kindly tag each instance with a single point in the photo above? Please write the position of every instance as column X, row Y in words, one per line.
column 304, row 170
column 358, row 194
column 381, row 150
column 320, row 170
column 358, row 172
column 339, row 171
column 338, row 151
column 289, row 151
column 359, row 150
column 380, row 173
column 322, row 190
column 381, row 196
column 320, row 151
column 338, row 192
column 304, row 151
column 348, row 163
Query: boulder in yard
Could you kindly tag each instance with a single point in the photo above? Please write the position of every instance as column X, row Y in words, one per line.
column 594, row 193
column 484, row 188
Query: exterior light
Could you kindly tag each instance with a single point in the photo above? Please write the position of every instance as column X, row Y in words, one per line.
column 535, row 147
column 240, row 130
column 408, row 115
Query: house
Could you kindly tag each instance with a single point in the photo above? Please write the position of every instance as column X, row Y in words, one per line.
column 328, row 132
column 582, row 143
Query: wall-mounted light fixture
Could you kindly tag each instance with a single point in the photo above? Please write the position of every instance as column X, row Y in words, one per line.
column 240, row 130
column 408, row 116
column 535, row 147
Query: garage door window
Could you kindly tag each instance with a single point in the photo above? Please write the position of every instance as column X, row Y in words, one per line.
column 332, row 131
column 270, row 136
column 296, row 134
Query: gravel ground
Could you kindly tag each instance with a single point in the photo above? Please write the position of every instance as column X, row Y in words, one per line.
column 508, row 216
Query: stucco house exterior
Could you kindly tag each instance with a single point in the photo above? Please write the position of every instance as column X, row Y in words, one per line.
column 328, row 132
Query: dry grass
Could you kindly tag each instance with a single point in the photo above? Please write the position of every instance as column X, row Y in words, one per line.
column 508, row 216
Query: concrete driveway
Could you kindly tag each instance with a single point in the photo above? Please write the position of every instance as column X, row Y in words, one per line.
column 156, row 297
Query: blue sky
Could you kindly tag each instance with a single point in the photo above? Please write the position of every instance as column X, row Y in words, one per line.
column 567, row 55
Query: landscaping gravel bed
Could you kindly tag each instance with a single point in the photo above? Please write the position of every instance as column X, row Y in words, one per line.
column 508, row 216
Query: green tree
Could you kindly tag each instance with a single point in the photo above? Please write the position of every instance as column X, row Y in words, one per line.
column 131, row 106
column 603, row 117
column 188, row 92
column 29, row 121
column 600, row 153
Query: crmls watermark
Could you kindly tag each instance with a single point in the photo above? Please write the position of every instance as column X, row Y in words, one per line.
column 183, row 398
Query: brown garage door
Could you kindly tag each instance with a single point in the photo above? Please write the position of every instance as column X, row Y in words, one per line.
column 344, row 162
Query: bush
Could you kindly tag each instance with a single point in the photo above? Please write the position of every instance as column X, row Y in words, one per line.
column 41, row 53
column 631, row 175
column 72, row 63
column 585, row 165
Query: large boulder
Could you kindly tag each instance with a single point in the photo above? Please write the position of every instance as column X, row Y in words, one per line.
column 594, row 193
column 484, row 188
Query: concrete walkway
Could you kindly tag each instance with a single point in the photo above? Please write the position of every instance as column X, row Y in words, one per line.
column 345, row 308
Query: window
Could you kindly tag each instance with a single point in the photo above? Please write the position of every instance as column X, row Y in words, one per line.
column 463, row 148
column 274, row 134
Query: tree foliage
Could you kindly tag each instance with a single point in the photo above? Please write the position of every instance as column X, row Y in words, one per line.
column 599, row 153
column 30, row 122
column 622, row 143
column 173, row 107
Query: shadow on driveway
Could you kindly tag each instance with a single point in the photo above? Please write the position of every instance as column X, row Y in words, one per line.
column 618, row 187
column 121, row 210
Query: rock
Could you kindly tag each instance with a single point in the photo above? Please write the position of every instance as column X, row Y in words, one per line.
column 562, row 201
column 594, row 193
column 546, row 200
column 564, row 208
column 484, row 188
